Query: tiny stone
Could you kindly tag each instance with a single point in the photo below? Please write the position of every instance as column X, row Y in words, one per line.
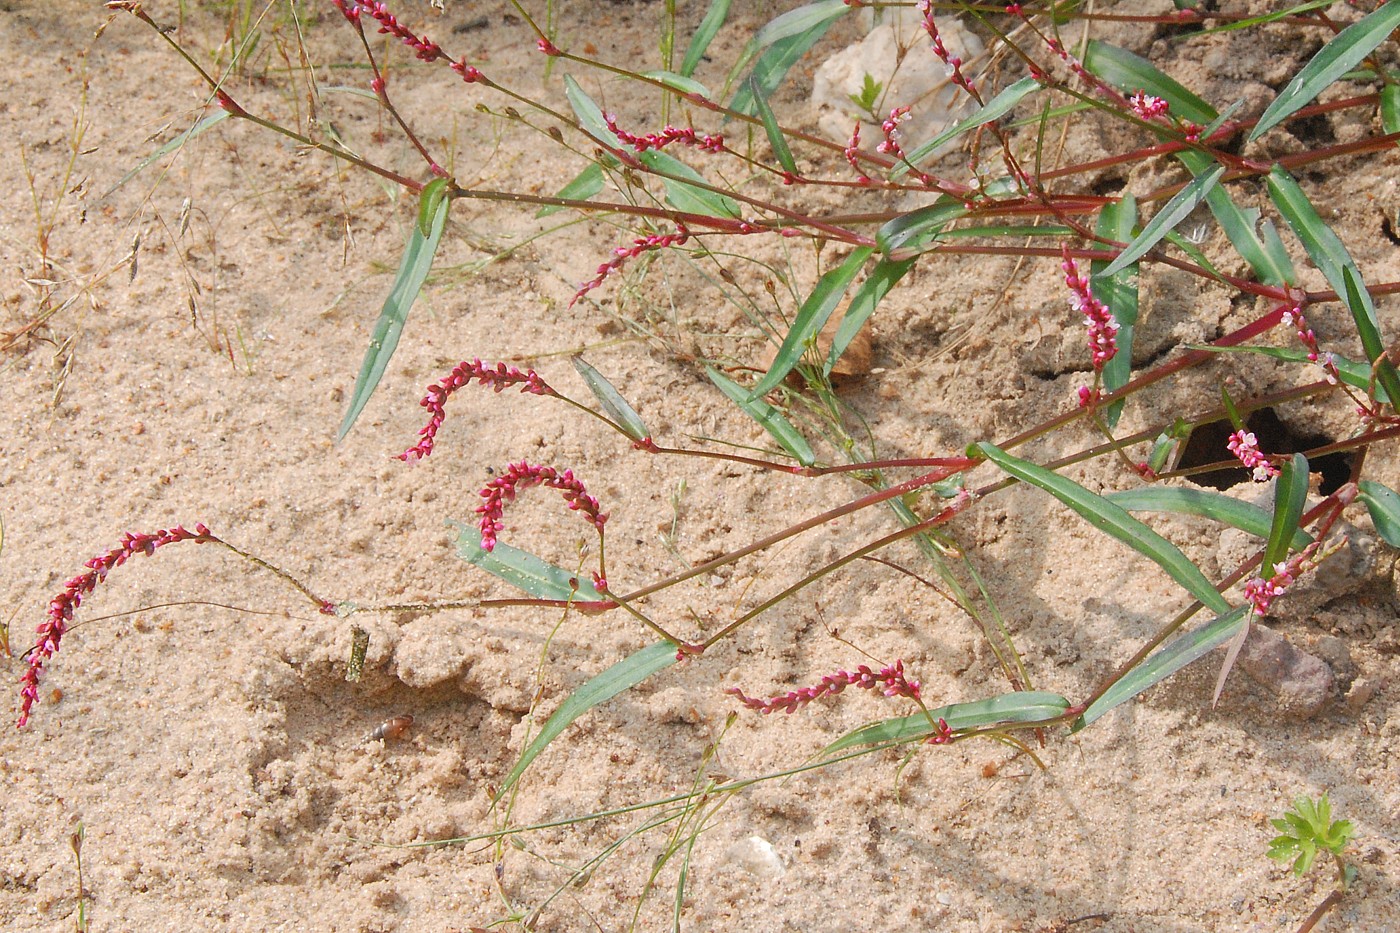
column 944, row 899
column 1302, row 682
column 757, row 856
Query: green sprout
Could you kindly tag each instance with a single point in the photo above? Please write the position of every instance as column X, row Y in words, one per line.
column 869, row 96
column 1307, row 829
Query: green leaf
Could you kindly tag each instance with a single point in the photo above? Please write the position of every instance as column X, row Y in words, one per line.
column 1205, row 503
column 1384, row 505
column 779, row 45
column 1323, row 246
column 877, row 284
column 919, row 228
column 996, row 108
column 413, row 270
column 1357, row 375
column 811, row 318
column 679, row 83
column 1370, row 334
column 1336, row 58
column 1113, row 520
column 622, row 676
column 1129, row 73
column 1390, row 108
column 704, row 34
column 1120, row 293
column 1166, row 661
column 1171, row 214
column 1264, row 254
column 687, row 197
column 590, row 115
column 521, row 569
column 1022, row 706
column 584, row 186
column 170, row 147
column 768, row 418
column 770, row 126
column 1290, row 495
column 622, row 414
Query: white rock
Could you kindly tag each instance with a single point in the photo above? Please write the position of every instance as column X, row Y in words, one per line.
column 755, row 855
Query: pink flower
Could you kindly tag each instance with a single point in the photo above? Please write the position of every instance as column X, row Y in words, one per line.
column 1103, row 328
column 891, row 130
column 1245, row 446
column 523, row 475
column 623, row 253
column 462, row 374
column 62, row 607
column 1148, row 107
column 668, row 135
column 888, row 680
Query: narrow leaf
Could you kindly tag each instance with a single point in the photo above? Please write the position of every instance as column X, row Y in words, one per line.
column 1323, row 246
column 584, row 186
column 780, row 44
column 170, row 147
column 1171, row 214
column 622, row 676
column 996, row 108
column 1357, row 375
column 687, row 197
column 1384, row 505
column 679, row 83
column 1023, row 706
column 1264, row 254
column 768, row 418
column 811, row 318
column 590, row 115
column 1236, row 513
column 877, row 284
column 770, row 126
column 1129, row 73
column 622, row 414
column 1390, row 108
column 1290, row 495
column 1112, row 520
column 1370, row 335
column 521, row 569
column 413, row 271
column 1120, row 293
column 704, row 34
column 1165, row 662
column 919, row 228
column 1336, row 58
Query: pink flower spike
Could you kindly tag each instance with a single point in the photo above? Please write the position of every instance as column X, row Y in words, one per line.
column 62, row 606
column 423, row 47
column 1245, row 446
column 522, row 475
column 623, row 253
column 1148, row 107
column 1103, row 327
column 499, row 378
column 890, row 681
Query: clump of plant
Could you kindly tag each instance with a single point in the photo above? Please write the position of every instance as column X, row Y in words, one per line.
column 1305, row 832
column 668, row 186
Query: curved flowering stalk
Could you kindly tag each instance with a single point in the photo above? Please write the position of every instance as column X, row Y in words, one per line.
column 1103, row 327
column 888, row 680
column 523, row 475
column 499, row 378
column 61, row 608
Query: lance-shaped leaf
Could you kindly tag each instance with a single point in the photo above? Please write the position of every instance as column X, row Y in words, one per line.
column 1355, row 374
column 1120, row 293
column 1129, row 73
column 1323, row 246
column 1165, row 220
column 622, row 414
column 622, row 676
column 704, row 34
column 1246, row 516
column 776, row 139
column 811, row 318
column 1112, row 520
column 1370, row 335
column 1384, row 505
column 1019, row 707
column 521, row 569
column 1390, row 108
column 780, row 44
column 768, row 418
column 996, row 108
column 1290, row 495
column 690, row 198
column 877, row 284
column 590, row 115
column 919, row 228
column 679, row 83
column 170, row 147
column 585, row 184
column 1165, row 662
column 1257, row 242
column 433, row 206
column 1336, row 58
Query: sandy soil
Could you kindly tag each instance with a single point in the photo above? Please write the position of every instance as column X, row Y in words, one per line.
column 199, row 725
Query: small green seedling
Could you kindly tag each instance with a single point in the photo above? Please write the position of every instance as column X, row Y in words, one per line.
column 1306, row 830
column 869, row 96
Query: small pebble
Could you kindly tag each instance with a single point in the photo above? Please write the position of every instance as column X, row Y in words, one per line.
column 755, row 855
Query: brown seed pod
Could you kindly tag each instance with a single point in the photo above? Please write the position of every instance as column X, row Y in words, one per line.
column 391, row 730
